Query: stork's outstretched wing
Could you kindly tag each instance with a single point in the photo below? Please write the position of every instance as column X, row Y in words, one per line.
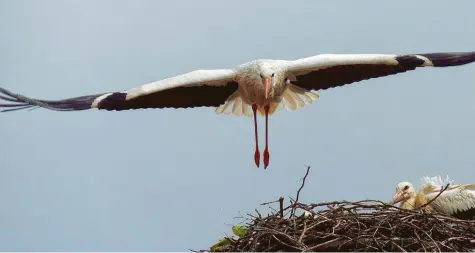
column 194, row 89
column 332, row 70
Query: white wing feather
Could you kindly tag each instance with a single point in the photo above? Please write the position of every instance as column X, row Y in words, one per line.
column 216, row 77
column 455, row 199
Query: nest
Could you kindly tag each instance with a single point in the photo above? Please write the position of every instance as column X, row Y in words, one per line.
column 367, row 225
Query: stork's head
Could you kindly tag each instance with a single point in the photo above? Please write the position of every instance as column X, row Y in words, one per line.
column 267, row 75
column 404, row 191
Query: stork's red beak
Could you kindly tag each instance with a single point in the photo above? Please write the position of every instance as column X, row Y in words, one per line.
column 398, row 196
column 267, row 84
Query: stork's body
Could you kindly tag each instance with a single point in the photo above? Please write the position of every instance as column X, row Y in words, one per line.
column 256, row 78
column 456, row 200
column 260, row 86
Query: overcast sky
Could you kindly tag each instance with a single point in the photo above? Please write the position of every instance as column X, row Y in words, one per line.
column 172, row 180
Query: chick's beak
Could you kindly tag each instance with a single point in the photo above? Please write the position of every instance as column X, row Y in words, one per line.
column 398, row 196
column 267, row 84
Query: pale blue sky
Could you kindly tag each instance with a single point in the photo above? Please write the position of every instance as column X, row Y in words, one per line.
column 170, row 180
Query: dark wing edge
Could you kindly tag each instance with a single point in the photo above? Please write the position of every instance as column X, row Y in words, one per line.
column 340, row 75
column 466, row 214
column 180, row 97
column 20, row 102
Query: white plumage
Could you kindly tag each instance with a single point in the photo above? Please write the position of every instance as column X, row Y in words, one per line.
column 455, row 199
column 260, row 86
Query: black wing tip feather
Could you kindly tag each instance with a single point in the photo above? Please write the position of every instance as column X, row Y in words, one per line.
column 439, row 59
column 450, row 59
column 20, row 102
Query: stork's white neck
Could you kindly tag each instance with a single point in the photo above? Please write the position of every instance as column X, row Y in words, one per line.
column 408, row 204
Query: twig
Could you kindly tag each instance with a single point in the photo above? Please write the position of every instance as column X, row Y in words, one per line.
column 270, row 202
column 259, row 214
column 328, row 244
column 281, row 205
column 303, row 232
column 298, row 192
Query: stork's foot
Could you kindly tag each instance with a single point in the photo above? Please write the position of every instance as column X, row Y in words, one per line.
column 257, row 158
column 266, row 158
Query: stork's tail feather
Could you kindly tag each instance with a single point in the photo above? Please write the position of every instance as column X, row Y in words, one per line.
column 19, row 102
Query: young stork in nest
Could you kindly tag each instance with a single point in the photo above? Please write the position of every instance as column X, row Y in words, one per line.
column 457, row 200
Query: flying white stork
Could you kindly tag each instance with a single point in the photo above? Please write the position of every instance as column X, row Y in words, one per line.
column 457, row 200
column 262, row 86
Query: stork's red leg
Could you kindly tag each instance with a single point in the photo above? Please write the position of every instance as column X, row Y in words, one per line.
column 266, row 150
column 257, row 155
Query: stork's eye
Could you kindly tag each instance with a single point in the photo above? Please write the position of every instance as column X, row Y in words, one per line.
column 406, row 187
column 272, row 74
column 261, row 76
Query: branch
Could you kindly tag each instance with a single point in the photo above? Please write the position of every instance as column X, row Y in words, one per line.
column 298, row 192
column 270, row 202
column 281, row 202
